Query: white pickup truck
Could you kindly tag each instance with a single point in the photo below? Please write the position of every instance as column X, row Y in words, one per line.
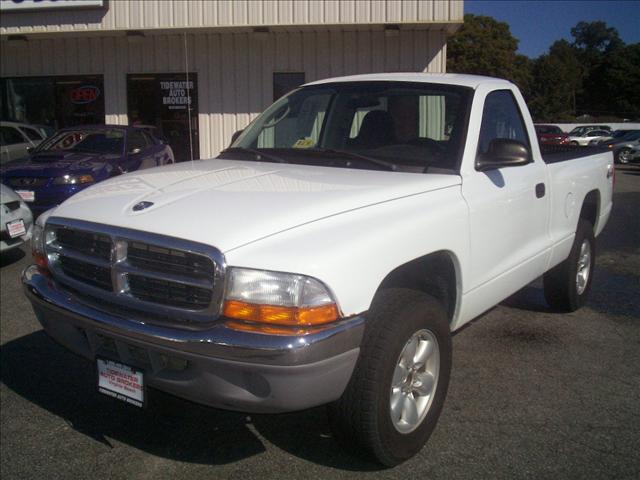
column 326, row 256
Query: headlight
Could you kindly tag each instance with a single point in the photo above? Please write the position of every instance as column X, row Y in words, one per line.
column 37, row 248
column 38, row 242
column 276, row 298
column 73, row 179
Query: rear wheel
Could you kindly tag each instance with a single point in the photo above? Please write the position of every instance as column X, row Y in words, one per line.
column 567, row 286
column 396, row 393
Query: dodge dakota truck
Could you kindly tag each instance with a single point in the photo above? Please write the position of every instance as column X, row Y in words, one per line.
column 326, row 256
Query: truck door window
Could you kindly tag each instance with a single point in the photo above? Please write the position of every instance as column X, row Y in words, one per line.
column 501, row 118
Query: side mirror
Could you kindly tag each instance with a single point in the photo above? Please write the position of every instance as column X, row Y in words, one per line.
column 30, row 149
column 134, row 151
column 235, row 136
column 503, row 153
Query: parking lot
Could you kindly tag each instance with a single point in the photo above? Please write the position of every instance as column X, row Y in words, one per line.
column 533, row 394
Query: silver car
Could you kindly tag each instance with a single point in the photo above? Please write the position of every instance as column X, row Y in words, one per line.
column 17, row 220
column 17, row 138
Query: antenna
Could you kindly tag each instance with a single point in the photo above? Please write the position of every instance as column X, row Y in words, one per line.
column 186, row 70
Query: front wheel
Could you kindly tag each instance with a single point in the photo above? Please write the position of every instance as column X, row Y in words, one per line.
column 623, row 156
column 396, row 393
column 567, row 286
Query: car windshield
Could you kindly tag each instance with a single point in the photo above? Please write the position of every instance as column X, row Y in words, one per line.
column 372, row 125
column 102, row 141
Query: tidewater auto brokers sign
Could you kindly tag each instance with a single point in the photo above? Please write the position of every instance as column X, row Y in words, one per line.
column 20, row 5
column 176, row 95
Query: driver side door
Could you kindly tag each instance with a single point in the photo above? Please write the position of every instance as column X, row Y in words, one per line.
column 508, row 209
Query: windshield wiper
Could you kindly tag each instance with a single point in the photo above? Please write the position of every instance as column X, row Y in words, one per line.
column 345, row 153
column 259, row 155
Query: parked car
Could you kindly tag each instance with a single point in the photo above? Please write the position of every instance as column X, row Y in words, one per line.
column 17, row 220
column 326, row 256
column 77, row 157
column 634, row 154
column 612, row 136
column 584, row 138
column 578, row 131
column 622, row 145
column 551, row 135
column 16, row 139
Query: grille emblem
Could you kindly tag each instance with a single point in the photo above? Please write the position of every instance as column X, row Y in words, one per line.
column 141, row 206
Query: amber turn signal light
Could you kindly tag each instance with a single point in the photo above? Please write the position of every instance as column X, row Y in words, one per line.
column 285, row 316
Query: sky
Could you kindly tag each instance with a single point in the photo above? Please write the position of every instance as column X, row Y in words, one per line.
column 537, row 24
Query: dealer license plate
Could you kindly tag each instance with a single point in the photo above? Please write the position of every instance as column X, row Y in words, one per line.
column 16, row 228
column 120, row 381
column 27, row 195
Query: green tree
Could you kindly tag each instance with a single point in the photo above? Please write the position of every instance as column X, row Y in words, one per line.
column 557, row 81
column 485, row 46
column 595, row 37
column 614, row 84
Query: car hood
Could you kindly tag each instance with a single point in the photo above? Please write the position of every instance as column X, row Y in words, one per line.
column 52, row 163
column 228, row 203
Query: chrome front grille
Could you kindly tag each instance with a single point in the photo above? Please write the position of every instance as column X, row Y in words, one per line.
column 172, row 278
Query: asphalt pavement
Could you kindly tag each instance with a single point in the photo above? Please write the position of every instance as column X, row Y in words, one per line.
column 533, row 394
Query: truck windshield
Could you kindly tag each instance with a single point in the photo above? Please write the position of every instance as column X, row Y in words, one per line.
column 373, row 125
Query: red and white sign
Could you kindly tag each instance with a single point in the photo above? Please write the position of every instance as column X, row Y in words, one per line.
column 27, row 195
column 16, row 228
column 121, row 382
column 84, row 94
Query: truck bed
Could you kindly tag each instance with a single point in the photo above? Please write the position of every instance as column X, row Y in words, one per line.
column 562, row 153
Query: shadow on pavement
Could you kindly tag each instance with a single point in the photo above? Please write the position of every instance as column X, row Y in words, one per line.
column 11, row 257
column 41, row 371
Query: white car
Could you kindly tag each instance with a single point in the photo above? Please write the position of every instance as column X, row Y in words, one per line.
column 326, row 256
column 17, row 138
column 590, row 136
column 17, row 220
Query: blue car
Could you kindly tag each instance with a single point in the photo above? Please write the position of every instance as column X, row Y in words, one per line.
column 75, row 158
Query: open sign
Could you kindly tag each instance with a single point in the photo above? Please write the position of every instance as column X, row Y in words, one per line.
column 84, row 94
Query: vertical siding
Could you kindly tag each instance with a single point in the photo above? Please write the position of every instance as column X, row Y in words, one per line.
column 143, row 14
column 235, row 70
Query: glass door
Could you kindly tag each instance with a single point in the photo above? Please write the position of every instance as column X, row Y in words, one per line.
column 168, row 102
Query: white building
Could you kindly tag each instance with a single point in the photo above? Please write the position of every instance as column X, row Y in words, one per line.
column 67, row 62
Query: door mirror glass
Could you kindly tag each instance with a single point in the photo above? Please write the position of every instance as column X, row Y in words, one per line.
column 503, row 152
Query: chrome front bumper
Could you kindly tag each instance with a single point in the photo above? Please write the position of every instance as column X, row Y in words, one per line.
column 216, row 366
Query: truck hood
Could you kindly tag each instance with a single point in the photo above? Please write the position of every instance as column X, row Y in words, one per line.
column 230, row 203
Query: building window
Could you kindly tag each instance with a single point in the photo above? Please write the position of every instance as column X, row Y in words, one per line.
column 166, row 103
column 283, row 83
column 57, row 102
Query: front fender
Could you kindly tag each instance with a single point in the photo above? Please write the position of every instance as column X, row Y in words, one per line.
column 354, row 251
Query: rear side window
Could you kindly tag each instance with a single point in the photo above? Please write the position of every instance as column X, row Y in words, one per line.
column 501, row 119
column 136, row 140
column 11, row 136
column 32, row 134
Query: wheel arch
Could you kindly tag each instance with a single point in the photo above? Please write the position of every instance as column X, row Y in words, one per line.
column 590, row 210
column 437, row 273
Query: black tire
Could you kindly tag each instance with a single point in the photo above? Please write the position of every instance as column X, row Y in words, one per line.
column 560, row 283
column 361, row 417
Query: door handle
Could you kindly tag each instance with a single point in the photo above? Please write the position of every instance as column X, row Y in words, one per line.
column 540, row 190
